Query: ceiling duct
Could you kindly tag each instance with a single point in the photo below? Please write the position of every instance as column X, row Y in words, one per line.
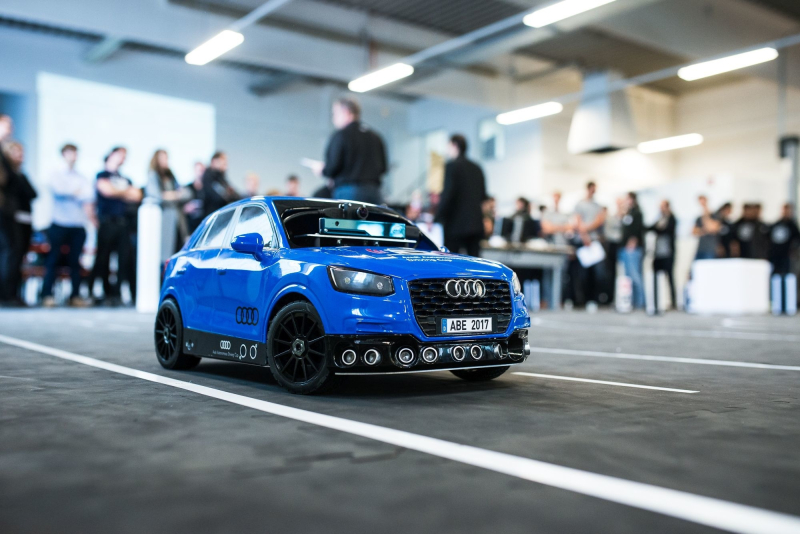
column 603, row 121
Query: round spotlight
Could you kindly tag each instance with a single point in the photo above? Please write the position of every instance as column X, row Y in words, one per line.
column 429, row 354
column 458, row 353
column 372, row 357
column 476, row 351
column 349, row 357
column 405, row 356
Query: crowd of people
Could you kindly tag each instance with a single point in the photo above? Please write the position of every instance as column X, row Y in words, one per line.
column 355, row 161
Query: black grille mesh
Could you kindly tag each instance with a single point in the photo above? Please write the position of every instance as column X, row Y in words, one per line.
column 431, row 302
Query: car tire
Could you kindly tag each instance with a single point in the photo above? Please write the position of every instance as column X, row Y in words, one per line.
column 296, row 350
column 481, row 375
column 169, row 338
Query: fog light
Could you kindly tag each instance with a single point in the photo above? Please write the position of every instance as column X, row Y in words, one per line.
column 372, row 357
column 476, row 351
column 458, row 353
column 429, row 354
column 349, row 357
column 405, row 356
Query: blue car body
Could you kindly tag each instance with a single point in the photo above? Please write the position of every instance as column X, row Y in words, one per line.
column 227, row 298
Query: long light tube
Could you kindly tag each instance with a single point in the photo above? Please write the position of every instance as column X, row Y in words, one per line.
column 381, row 77
column 530, row 113
column 670, row 143
column 560, row 11
column 727, row 64
column 213, row 48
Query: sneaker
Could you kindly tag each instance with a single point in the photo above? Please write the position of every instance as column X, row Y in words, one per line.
column 49, row 302
column 591, row 306
column 77, row 302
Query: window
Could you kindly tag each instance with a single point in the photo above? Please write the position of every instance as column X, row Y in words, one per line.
column 254, row 219
column 216, row 233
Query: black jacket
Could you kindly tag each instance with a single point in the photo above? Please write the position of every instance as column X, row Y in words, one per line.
column 665, row 237
column 216, row 192
column 633, row 226
column 530, row 228
column 355, row 156
column 461, row 204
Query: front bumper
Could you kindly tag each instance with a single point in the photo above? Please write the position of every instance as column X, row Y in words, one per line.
column 391, row 354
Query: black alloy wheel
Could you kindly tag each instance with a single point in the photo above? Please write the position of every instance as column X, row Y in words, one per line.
column 296, row 349
column 480, row 375
column 169, row 336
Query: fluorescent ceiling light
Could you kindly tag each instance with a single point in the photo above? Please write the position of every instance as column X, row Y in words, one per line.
column 530, row 113
column 214, row 47
column 381, row 77
column 726, row 64
column 670, row 143
column 560, row 11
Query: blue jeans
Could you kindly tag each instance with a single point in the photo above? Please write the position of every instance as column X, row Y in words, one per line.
column 632, row 262
column 362, row 193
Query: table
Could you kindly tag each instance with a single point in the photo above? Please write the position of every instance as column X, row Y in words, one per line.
column 551, row 259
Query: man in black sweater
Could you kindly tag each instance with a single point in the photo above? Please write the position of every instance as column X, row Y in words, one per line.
column 355, row 158
column 460, row 206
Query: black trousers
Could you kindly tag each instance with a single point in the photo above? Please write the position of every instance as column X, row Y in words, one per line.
column 112, row 236
column 60, row 236
column 471, row 245
column 666, row 265
column 20, row 244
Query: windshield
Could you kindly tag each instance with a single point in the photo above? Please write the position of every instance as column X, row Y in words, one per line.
column 341, row 223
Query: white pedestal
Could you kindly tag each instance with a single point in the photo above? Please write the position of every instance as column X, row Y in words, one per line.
column 730, row 286
column 148, row 260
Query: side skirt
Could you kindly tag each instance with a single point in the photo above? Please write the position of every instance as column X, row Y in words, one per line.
column 208, row 345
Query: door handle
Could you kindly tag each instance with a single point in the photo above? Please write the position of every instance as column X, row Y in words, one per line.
column 222, row 271
column 181, row 271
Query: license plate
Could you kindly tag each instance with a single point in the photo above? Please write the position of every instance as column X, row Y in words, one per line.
column 466, row 325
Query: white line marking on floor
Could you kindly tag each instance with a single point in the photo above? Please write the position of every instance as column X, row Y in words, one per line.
column 670, row 332
column 15, row 377
column 673, row 359
column 687, row 506
column 605, row 382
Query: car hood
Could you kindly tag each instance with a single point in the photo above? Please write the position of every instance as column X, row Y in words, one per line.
column 407, row 263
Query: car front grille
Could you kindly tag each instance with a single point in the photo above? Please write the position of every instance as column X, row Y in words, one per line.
column 431, row 302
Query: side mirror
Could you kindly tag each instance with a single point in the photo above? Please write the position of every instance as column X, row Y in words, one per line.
column 249, row 244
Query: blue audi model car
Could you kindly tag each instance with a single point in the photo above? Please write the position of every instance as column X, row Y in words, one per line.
column 317, row 288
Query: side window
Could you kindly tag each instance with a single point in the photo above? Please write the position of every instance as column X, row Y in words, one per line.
column 254, row 219
column 216, row 233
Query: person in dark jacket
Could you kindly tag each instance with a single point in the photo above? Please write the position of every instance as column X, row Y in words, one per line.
column 21, row 228
column 217, row 192
column 664, row 253
column 355, row 157
column 460, row 209
column 7, row 207
column 783, row 236
column 750, row 233
column 632, row 255
column 521, row 227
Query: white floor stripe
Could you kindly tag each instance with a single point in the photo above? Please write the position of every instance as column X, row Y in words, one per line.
column 696, row 508
column 604, row 382
column 673, row 359
column 669, row 332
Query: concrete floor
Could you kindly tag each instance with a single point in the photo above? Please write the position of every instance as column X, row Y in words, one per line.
column 87, row 450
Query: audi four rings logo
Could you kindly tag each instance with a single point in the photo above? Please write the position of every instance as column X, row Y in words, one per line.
column 224, row 344
column 465, row 289
column 247, row 316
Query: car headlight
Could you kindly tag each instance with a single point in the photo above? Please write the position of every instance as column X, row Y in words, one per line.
column 516, row 285
column 349, row 281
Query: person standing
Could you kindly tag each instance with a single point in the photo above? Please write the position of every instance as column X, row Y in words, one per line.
column 162, row 186
column 706, row 228
column 783, row 235
column 23, row 193
column 217, row 192
column 555, row 224
column 7, row 205
column 114, row 193
column 355, row 157
column 460, row 210
column 292, row 186
column 664, row 253
column 589, row 221
column 632, row 254
column 521, row 227
column 72, row 203
column 612, row 234
column 193, row 208
column 723, row 215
